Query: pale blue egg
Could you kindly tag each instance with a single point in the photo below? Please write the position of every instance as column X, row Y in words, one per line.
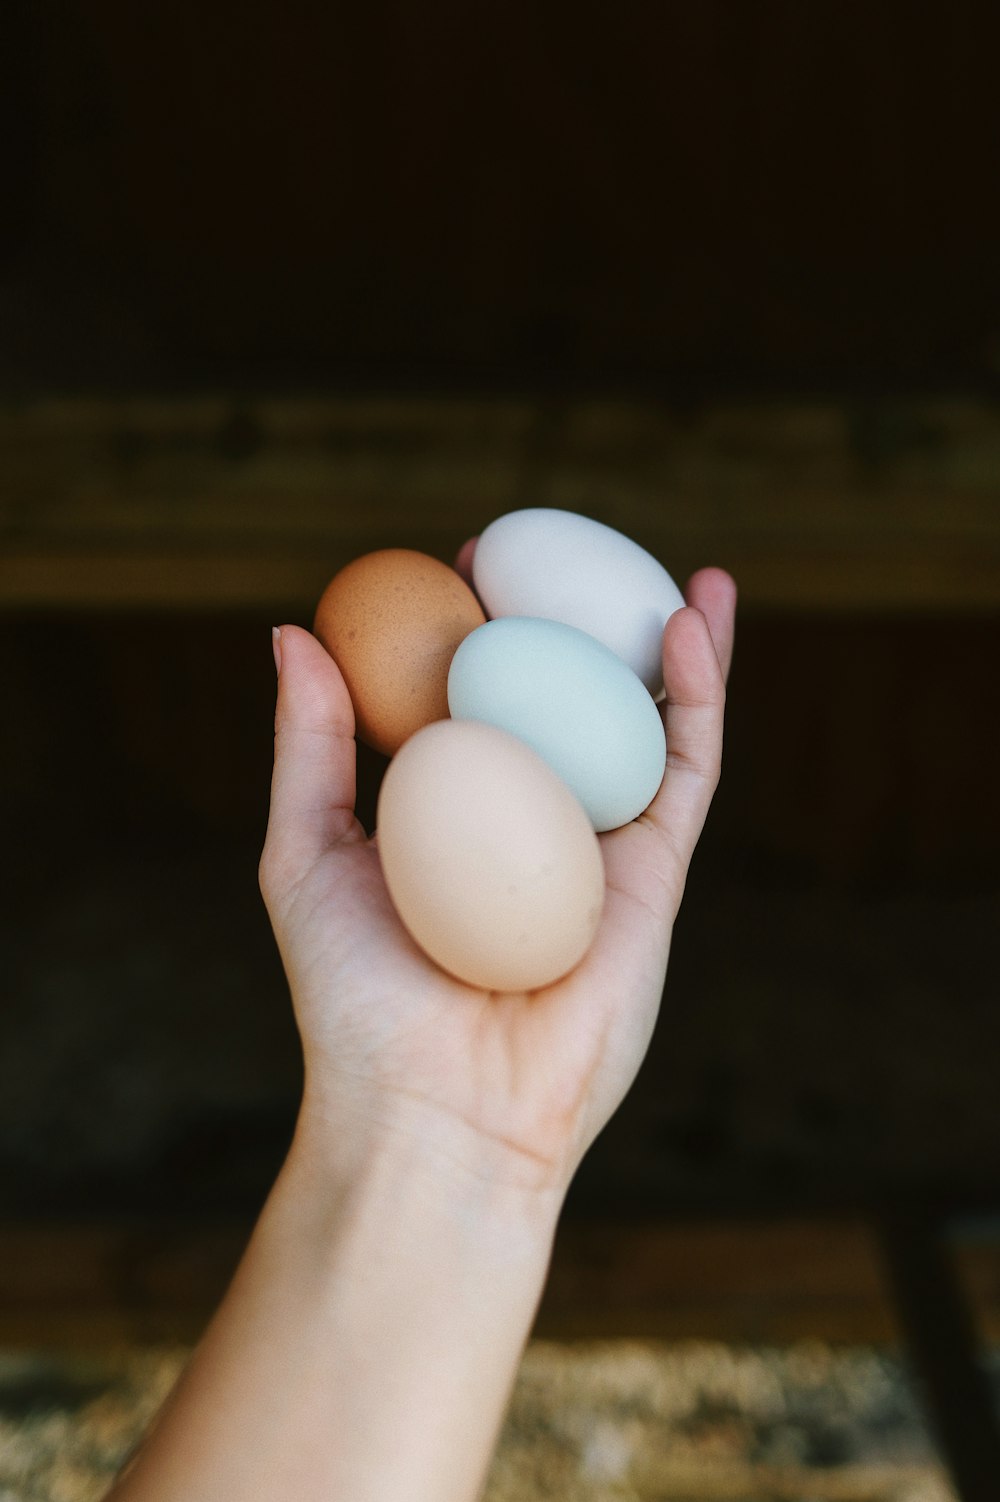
column 571, row 699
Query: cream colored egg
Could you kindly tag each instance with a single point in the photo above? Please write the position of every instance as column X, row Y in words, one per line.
column 490, row 860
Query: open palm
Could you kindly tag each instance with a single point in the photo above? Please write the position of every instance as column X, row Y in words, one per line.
column 514, row 1085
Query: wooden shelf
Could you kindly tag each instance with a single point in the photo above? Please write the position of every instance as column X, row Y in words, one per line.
column 213, row 503
column 745, row 1281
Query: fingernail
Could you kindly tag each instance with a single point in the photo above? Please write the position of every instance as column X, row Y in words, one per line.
column 276, row 645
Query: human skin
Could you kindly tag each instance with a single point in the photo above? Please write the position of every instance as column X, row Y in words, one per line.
column 368, row 1343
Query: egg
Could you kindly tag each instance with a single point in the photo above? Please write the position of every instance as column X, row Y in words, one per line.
column 573, row 701
column 391, row 620
column 489, row 859
column 569, row 568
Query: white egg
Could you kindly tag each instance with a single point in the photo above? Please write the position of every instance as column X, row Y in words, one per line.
column 564, row 567
column 573, row 701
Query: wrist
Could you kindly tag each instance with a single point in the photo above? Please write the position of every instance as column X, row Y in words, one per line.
column 435, row 1175
column 413, row 1286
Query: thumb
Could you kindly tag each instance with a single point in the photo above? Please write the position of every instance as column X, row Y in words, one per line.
column 313, row 782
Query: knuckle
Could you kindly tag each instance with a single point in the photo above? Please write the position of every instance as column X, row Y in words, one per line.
column 265, row 874
column 272, row 874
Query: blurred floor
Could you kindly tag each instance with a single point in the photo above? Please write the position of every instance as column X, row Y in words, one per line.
column 631, row 1421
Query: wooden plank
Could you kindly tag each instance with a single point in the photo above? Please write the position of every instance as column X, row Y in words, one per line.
column 288, row 587
column 754, row 1282
column 284, row 587
column 707, row 1479
column 210, row 503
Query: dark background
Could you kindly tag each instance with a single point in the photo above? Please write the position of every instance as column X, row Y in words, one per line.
column 769, row 202
column 699, row 198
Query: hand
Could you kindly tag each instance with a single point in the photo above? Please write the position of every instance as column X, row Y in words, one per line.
column 393, row 1275
column 512, row 1087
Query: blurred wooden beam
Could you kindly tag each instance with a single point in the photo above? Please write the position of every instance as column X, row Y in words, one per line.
column 754, row 1282
column 213, row 503
column 710, row 1479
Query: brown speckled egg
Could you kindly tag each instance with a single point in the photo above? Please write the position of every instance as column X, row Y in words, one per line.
column 392, row 621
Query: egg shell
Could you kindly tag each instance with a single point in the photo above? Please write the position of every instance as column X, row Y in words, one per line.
column 392, row 620
column 489, row 859
column 566, row 567
column 573, row 701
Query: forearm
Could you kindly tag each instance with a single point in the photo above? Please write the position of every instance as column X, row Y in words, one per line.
column 367, row 1346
